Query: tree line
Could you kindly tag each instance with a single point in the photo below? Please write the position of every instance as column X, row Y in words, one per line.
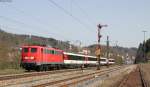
column 143, row 52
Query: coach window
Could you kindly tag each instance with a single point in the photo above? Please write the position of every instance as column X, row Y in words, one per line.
column 44, row 51
column 90, row 59
column 102, row 59
column 52, row 52
column 33, row 50
column 47, row 51
column 71, row 57
column 57, row 52
column 26, row 50
column 81, row 58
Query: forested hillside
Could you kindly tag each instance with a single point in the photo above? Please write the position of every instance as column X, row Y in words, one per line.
column 10, row 48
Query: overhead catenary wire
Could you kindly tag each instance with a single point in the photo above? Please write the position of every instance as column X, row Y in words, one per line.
column 36, row 19
column 70, row 14
column 91, row 20
column 2, row 26
column 31, row 27
column 15, row 21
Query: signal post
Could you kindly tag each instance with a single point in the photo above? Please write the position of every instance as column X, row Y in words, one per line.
column 107, row 51
column 98, row 48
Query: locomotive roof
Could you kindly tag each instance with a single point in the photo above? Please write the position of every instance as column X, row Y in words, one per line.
column 42, row 47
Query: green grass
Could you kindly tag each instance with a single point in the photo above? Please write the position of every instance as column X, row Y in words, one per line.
column 148, row 62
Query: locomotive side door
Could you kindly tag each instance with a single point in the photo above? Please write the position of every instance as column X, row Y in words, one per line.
column 42, row 55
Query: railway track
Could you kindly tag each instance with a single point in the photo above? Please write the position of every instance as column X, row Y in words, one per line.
column 31, row 74
column 135, row 75
column 142, row 79
column 78, row 78
column 13, row 80
column 36, row 78
column 124, row 81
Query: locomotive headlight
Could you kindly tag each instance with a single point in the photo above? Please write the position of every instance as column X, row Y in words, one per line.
column 32, row 57
column 25, row 57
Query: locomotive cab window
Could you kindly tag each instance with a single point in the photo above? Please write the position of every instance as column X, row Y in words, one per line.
column 25, row 50
column 33, row 50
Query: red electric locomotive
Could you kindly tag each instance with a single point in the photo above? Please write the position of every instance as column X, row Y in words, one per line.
column 40, row 58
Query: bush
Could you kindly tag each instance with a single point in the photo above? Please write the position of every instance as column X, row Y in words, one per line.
column 119, row 61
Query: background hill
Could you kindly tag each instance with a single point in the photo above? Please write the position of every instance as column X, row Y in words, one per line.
column 10, row 48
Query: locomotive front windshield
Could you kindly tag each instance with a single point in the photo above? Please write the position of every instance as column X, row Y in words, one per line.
column 33, row 50
column 25, row 50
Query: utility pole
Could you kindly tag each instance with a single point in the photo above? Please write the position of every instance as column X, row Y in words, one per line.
column 144, row 47
column 98, row 49
column 144, row 34
column 70, row 46
column 79, row 45
column 116, row 43
column 107, row 51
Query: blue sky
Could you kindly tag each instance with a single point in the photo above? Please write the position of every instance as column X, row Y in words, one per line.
column 125, row 19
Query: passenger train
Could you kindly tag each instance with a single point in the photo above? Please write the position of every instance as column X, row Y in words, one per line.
column 44, row 58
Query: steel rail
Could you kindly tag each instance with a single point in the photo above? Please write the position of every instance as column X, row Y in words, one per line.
column 144, row 84
column 17, row 76
column 76, row 77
